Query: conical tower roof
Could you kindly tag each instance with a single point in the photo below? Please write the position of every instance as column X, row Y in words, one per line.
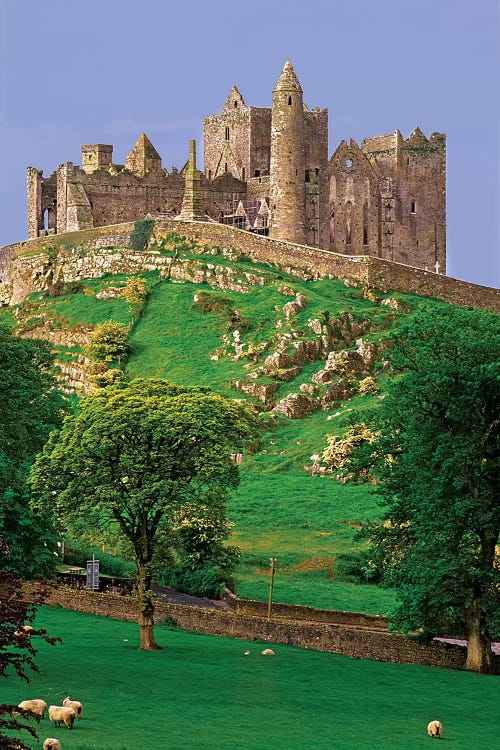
column 144, row 148
column 143, row 157
column 288, row 80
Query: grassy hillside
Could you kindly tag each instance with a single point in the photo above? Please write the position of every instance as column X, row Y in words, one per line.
column 193, row 333
column 203, row 691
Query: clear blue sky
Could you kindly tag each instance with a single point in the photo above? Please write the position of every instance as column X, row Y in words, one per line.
column 103, row 71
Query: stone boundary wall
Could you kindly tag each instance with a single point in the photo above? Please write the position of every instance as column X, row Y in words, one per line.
column 382, row 275
column 309, row 614
column 379, row 274
column 338, row 639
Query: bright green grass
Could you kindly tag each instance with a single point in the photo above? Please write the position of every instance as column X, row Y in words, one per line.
column 279, row 509
column 313, row 588
column 304, row 522
column 202, row 691
column 173, row 340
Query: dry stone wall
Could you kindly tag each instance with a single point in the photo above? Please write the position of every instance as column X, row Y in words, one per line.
column 321, row 636
column 25, row 267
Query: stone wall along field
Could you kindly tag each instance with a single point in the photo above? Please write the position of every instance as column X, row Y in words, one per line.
column 24, row 266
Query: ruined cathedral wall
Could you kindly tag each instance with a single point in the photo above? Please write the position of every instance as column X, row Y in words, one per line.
column 420, row 237
column 354, row 211
column 221, row 196
column 385, row 152
column 226, row 141
column 212, row 144
column 260, row 142
column 121, row 197
column 258, row 187
column 49, row 192
column 316, row 139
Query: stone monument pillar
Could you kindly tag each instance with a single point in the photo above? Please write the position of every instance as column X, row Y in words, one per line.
column 192, row 207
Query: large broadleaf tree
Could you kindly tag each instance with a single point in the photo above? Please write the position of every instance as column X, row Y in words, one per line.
column 30, row 407
column 136, row 454
column 437, row 459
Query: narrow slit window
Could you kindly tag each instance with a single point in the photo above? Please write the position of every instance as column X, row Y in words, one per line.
column 227, row 133
column 243, row 173
column 289, row 101
column 225, row 166
column 413, row 207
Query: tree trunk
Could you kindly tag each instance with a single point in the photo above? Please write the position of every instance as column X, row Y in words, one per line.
column 478, row 643
column 146, row 609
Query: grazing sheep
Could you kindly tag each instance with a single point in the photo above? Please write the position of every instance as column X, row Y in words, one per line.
column 51, row 744
column 36, row 706
column 267, row 652
column 63, row 714
column 23, row 630
column 76, row 705
column 435, row 729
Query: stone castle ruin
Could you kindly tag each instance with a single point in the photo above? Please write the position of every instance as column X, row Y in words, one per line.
column 267, row 171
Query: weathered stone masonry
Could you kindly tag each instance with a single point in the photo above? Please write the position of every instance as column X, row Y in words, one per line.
column 80, row 255
column 318, row 635
column 267, row 170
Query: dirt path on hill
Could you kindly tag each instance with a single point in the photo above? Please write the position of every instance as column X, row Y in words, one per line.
column 175, row 597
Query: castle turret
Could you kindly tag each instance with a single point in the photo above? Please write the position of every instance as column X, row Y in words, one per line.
column 96, row 156
column 287, row 190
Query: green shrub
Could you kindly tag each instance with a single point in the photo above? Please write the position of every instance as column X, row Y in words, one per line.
column 141, row 235
column 206, row 581
column 108, row 342
column 356, row 567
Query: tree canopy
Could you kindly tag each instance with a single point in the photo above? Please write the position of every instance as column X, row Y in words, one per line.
column 16, row 650
column 437, row 458
column 30, row 407
column 137, row 453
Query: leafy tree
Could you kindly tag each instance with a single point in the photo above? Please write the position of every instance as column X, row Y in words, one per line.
column 137, row 453
column 206, row 562
column 438, row 463
column 30, row 407
column 108, row 342
column 16, row 650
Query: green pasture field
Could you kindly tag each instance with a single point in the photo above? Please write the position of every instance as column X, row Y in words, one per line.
column 202, row 691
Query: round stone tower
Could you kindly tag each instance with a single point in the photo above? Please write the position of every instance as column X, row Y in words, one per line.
column 287, row 168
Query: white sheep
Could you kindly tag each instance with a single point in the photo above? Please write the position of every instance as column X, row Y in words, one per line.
column 51, row 744
column 23, row 630
column 434, row 729
column 267, row 652
column 63, row 714
column 76, row 705
column 36, row 706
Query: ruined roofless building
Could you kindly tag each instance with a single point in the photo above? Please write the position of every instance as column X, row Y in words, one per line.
column 267, row 170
